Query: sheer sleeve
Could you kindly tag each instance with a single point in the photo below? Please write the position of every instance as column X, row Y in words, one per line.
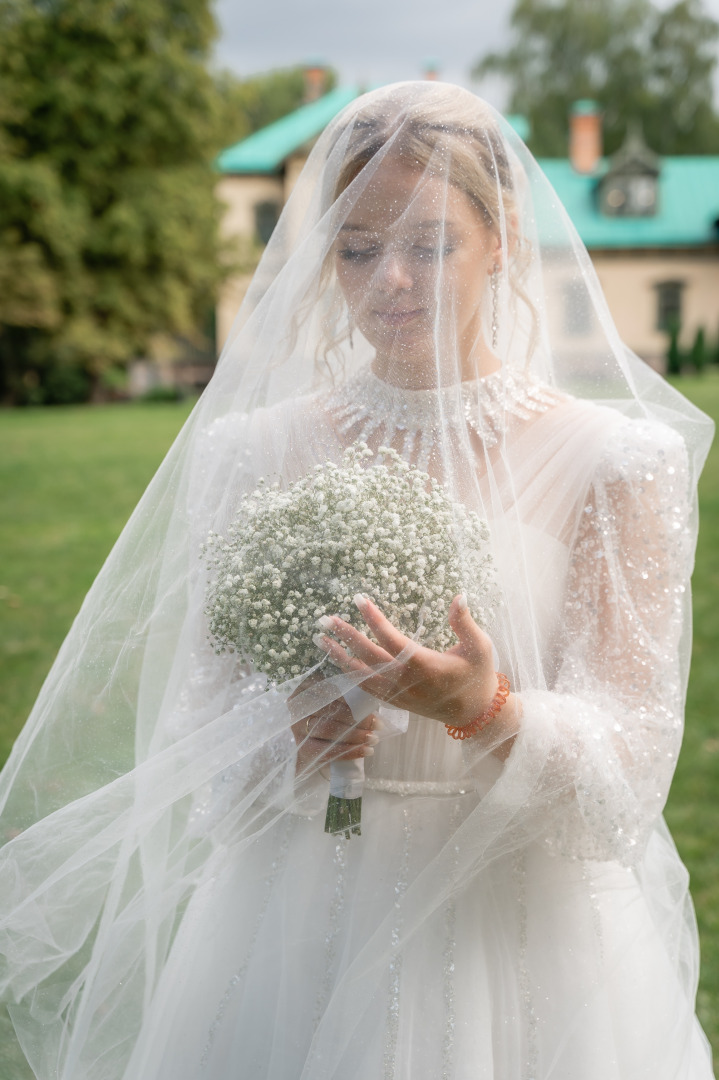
column 608, row 731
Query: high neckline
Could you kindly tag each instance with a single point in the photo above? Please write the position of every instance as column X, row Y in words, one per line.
column 369, row 369
column 366, row 405
column 432, row 392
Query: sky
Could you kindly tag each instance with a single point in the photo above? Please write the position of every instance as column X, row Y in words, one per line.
column 372, row 41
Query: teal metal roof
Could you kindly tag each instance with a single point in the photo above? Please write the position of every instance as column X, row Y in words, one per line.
column 265, row 151
column 688, row 205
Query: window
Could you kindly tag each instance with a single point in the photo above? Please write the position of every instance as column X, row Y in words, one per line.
column 669, row 304
column 266, row 217
column 628, row 196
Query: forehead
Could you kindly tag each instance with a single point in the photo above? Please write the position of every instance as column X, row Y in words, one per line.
column 400, row 194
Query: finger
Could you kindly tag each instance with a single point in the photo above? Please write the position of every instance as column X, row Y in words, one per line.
column 332, row 731
column 378, row 685
column 370, row 723
column 361, row 646
column 389, row 637
column 340, row 752
column 475, row 643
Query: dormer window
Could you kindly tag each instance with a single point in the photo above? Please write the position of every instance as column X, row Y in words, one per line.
column 631, row 196
column 630, row 187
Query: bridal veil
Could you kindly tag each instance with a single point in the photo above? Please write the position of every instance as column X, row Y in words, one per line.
column 170, row 904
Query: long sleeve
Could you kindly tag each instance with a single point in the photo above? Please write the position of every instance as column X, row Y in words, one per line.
column 609, row 729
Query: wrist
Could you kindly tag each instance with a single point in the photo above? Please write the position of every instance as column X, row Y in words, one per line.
column 478, row 723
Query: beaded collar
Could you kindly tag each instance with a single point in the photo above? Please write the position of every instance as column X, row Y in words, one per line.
column 373, row 407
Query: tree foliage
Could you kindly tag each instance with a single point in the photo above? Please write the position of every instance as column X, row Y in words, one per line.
column 108, row 224
column 251, row 104
column 639, row 62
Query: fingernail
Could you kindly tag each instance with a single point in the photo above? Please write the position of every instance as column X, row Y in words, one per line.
column 368, row 751
column 462, row 603
column 320, row 641
column 360, row 601
column 326, row 622
column 371, row 740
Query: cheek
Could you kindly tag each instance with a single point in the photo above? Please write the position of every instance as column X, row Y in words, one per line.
column 469, row 281
column 354, row 281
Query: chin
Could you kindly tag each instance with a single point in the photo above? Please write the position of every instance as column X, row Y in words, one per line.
column 390, row 339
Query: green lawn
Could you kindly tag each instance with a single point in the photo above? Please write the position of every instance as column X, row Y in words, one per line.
column 69, row 479
column 693, row 808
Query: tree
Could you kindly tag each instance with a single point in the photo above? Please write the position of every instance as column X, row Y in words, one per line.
column 251, row 104
column 638, row 62
column 674, row 354
column 108, row 223
column 699, row 351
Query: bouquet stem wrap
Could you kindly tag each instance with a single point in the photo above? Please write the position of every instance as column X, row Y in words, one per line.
column 344, row 807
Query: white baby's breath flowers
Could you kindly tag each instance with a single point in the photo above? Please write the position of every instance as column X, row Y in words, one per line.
column 291, row 556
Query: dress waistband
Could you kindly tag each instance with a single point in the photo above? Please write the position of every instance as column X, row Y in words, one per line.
column 420, row 787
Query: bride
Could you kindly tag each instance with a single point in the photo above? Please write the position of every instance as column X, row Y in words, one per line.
column 172, row 907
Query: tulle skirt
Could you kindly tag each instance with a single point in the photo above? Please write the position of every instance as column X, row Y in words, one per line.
column 298, row 961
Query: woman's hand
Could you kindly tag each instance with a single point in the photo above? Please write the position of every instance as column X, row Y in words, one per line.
column 330, row 733
column 455, row 686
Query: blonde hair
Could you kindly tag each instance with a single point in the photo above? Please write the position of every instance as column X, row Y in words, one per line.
column 443, row 137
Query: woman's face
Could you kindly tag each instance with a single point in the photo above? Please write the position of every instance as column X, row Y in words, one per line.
column 414, row 248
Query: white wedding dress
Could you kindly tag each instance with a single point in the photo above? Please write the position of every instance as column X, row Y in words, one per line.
column 521, row 920
column 171, row 907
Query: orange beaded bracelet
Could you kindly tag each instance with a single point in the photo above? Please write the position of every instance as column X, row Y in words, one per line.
column 498, row 702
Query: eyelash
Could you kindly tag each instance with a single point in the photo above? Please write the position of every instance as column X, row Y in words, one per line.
column 350, row 255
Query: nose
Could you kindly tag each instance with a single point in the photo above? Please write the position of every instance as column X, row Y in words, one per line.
column 393, row 275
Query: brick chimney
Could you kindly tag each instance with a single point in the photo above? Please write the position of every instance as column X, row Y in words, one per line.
column 315, row 78
column 585, row 136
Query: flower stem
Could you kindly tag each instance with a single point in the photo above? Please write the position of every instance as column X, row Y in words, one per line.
column 343, row 816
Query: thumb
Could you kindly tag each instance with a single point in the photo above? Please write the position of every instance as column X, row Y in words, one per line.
column 472, row 638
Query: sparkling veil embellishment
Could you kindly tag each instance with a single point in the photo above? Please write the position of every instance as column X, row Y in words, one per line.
column 374, row 406
column 278, row 865
column 395, row 963
column 333, row 929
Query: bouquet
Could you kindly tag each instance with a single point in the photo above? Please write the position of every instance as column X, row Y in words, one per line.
column 292, row 555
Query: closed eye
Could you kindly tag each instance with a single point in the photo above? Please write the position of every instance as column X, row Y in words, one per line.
column 433, row 252
column 358, row 254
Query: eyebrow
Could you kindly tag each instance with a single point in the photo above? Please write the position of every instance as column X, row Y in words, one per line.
column 443, row 222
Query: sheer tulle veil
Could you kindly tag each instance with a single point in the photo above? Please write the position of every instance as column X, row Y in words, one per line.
column 151, row 768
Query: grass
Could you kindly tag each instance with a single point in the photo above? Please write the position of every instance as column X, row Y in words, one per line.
column 694, row 799
column 69, row 479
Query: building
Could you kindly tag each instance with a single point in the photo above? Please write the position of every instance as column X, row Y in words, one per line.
column 257, row 176
column 651, row 224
